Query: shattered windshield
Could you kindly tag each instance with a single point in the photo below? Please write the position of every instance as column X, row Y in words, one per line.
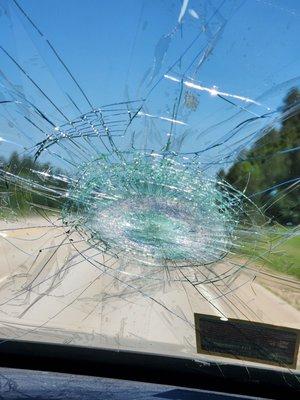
column 149, row 177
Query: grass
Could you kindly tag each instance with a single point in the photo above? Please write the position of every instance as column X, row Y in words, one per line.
column 283, row 258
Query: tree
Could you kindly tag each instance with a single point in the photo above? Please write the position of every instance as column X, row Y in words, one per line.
column 19, row 197
column 272, row 161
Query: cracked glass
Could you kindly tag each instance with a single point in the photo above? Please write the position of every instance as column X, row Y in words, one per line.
column 149, row 174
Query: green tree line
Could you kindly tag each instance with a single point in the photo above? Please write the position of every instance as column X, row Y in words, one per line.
column 270, row 163
column 18, row 197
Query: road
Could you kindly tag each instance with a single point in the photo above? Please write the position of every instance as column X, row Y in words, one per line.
column 52, row 290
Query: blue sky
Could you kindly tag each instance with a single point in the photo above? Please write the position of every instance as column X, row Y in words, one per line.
column 95, row 37
column 111, row 45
